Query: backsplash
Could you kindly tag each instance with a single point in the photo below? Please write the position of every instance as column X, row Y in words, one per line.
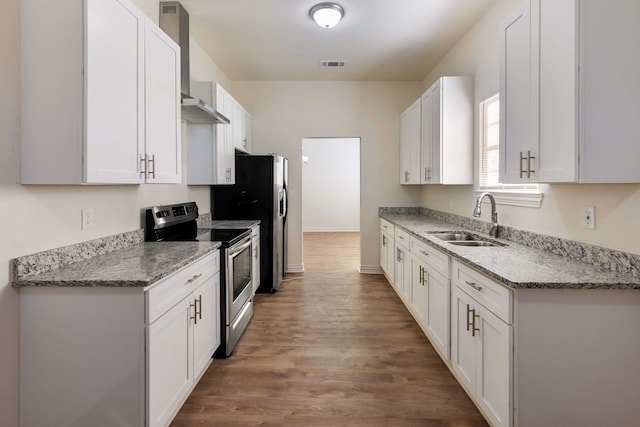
column 43, row 262
column 609, row 259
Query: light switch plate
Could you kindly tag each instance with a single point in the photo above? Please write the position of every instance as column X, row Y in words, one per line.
column 589, row 217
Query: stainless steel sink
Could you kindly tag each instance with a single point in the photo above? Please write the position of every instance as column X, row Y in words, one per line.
column 474, row 243
column 465, row 239
column 454, row 236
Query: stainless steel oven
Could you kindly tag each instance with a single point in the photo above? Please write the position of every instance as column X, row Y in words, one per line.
column 178, row 222
column 239, row 304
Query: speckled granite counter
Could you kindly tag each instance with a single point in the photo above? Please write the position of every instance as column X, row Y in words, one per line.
column 517, row 265
column 140, row 264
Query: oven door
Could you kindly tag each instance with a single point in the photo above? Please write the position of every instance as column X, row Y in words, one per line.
column 239, row 283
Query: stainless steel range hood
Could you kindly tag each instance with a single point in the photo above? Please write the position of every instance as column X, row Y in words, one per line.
column 174, row 20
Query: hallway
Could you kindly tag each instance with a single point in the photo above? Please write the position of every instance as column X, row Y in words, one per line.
column 331, row 348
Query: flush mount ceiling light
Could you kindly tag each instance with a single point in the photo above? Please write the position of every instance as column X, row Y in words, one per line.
column 327, row 15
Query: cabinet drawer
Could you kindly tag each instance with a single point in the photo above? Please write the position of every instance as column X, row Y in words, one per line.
column 402, row 237
column 495, row 297
column 386, row 226
column 169, row 291
column 436, row 259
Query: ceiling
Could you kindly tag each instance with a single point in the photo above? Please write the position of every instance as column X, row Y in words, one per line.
column 383, row 40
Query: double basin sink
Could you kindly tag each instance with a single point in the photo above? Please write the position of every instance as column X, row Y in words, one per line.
column 461, row 238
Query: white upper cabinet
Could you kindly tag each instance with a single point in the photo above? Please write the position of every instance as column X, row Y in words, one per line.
column 410, row 144
column 447, row 132
column 162, row 106
column 84, row 118
column 211, row 147
column 436, row 135
column 569, row 102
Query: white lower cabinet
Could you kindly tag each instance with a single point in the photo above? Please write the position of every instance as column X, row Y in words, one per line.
column 255, row 263
column 180, row 345
column 402, row 273
column 126, row 356
column 386, row 249
column 430, row 298
column 481, row 343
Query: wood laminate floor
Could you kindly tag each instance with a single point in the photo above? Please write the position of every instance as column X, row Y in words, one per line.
column 331, row 348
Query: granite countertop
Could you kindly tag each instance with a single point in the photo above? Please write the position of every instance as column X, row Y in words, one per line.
column 515, row 265
column 138, row 265
column 216, row 223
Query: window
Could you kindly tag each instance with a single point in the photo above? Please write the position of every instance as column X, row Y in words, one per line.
column 489, row 160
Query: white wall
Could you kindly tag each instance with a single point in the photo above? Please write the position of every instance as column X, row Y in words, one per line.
column 45, row 217
column 617, row 205
column 284, row 112
column 331, row 184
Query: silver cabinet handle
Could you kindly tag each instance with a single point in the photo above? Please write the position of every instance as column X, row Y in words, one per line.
column 193, row 279
column 473, row 285
column 152, row 162
column 471, row 320
column 199, row 309
column 143, row 165
column 529, row 157
column 195, row 312
column 522, row 171
column 425, row 253
column 406, row 176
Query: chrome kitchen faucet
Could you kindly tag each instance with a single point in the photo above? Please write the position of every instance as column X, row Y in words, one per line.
column 493, row 231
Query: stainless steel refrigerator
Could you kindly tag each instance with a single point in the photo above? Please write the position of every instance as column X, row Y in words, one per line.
column 260, row 192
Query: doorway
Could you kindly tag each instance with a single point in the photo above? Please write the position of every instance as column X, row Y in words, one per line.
column 331, row 202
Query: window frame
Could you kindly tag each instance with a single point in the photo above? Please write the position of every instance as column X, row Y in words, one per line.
column 526, row 194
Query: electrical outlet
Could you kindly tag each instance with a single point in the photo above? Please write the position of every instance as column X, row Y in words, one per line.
column 87, row 218
column 589, row 217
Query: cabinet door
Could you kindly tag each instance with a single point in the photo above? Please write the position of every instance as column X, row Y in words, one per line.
column 402, row 272
column 419, row 290
column 255, row 267
column 463, row 343
column 247, row 140
column 206, row 328
column 237, row 125
column 162, row 106
column 410, row 144
column 169, row 362
column 518, row 98
column 493, row 391
column 386, row 255
column 434, row 135
column 437, row 317
column 225, row 154
column 609, row 91
column 114, row 92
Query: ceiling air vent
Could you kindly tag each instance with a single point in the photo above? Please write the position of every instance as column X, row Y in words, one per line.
column 332, row 64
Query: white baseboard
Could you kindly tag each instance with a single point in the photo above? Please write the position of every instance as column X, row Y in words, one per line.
column 295, row 268
column 370, row 269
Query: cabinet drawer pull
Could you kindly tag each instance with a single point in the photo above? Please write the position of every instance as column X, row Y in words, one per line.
column 425, row 253
column 199, row 307
column 473, row 285
column 193, row 279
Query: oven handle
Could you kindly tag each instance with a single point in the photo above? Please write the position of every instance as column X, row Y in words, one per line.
column 234, row 250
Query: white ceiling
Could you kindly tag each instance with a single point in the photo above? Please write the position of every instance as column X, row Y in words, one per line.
column 396, row 40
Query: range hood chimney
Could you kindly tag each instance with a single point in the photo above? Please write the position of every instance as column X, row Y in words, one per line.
column 174, row 20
